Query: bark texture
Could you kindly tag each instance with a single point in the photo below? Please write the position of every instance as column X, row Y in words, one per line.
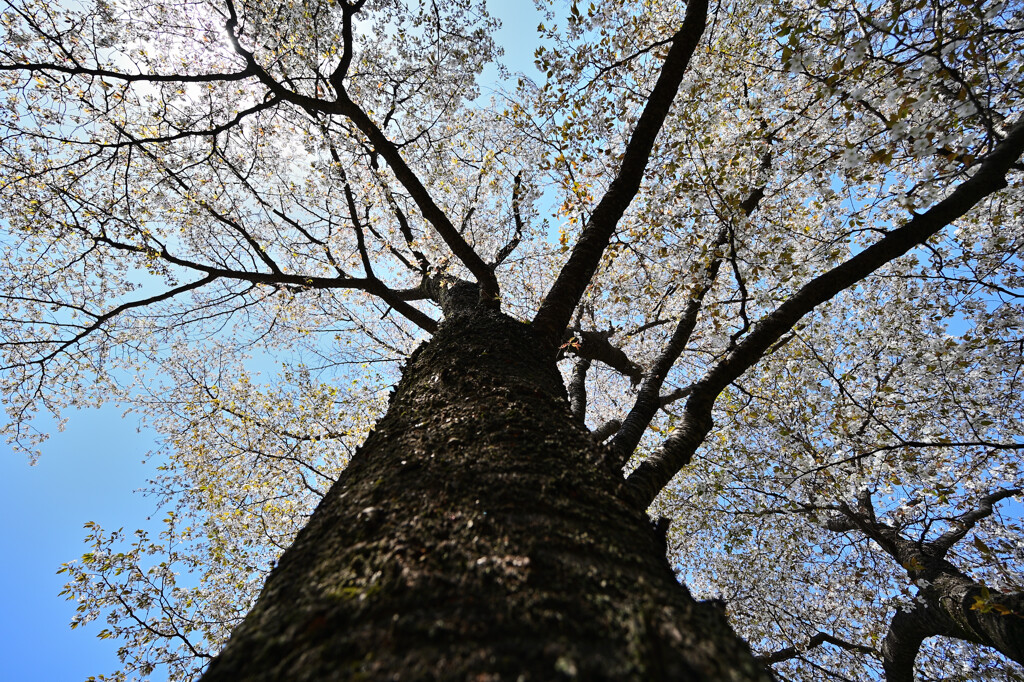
column 479, row 534
column 947, row 609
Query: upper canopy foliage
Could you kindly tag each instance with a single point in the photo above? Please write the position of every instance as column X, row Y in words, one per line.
column 803, row 218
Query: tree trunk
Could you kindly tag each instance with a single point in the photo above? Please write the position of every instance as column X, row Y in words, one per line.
column 950, row 608
column 480, row 534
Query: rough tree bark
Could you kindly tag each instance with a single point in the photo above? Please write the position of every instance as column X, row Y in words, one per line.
column 479, row 533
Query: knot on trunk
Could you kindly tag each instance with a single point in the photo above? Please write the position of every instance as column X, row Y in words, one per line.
column 454, row 296
column 459, row 297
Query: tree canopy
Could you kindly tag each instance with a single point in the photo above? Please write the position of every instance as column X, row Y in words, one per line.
column 776, row 246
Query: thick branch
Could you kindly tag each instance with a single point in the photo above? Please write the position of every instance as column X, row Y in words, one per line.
column 594, row 345
column 676, row 394
column 556, row 311
column 954, row 606
column 949, row 603
column 602, row 432
column 655, row 473
column 578, row 389
column 907, row 631
column 348, row 10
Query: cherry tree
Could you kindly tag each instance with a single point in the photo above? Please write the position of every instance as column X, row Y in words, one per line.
column 447, row 388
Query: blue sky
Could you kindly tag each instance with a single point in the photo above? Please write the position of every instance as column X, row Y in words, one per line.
column 89, row 473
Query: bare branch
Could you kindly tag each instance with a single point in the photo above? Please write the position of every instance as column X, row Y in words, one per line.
column 78, row 70
column 395, row 299
column 652, row 475
column 357, row 226
column 985, row 508
column 563, row 296
column 815, row 641
column 648, row 399
column 406, row 230
column 102, row 318
column 508, row 248
column 489, row 291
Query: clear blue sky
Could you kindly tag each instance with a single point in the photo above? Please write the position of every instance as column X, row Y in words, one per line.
column 89, row 473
